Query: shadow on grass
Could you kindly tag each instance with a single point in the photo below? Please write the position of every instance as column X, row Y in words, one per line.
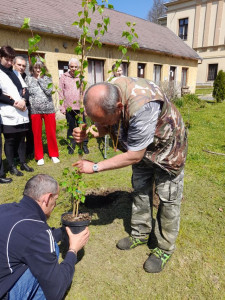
column 115, row 205
column 109, row 206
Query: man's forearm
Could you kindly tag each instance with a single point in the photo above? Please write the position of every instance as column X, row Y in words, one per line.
column 121, row 160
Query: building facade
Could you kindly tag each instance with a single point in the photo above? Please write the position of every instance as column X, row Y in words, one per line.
column 162, row 56
column 201, row 25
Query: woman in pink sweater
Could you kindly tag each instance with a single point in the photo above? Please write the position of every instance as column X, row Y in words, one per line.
column 70, row 94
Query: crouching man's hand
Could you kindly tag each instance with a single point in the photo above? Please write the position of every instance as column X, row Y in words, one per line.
column 78, row 241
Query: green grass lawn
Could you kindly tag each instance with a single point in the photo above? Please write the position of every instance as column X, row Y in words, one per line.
column 196, row 270
column 204, row 91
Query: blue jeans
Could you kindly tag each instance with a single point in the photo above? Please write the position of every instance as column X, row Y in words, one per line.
column 27, row 286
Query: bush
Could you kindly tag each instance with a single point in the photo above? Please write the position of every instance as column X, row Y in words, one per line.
column 188, row 100
column 170, row 89
column 219, row 87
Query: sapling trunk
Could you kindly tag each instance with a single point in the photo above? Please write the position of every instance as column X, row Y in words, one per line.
column 74, row 206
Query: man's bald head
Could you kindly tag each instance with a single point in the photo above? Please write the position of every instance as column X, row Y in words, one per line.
column 102, row 95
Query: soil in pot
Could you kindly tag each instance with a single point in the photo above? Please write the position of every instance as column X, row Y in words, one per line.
column 76, row 224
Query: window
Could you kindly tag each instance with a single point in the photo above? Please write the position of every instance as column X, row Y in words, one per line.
column 183, row 29
column 173, row 73
column 157, row 74
column 141, row 70
column 184, row 77
column 95, row 71
column 125, row 68
column 62, row 67
column 212, row 72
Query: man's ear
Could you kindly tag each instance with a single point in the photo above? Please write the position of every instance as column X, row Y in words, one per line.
column 119, row 105
column 46, row 198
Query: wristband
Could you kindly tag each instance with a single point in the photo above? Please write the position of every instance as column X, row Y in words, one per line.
column 72, row 250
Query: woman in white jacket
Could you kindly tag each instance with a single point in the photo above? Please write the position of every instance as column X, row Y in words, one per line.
column 14, row 115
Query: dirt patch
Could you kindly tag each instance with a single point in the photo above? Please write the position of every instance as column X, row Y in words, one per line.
column 97, row 199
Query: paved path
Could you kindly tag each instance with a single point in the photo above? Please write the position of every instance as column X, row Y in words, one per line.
column 206, row 97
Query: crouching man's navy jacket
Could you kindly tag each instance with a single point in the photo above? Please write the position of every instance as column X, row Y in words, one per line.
column 26, row 241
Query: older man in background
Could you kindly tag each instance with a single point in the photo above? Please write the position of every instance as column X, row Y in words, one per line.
column 19, row 67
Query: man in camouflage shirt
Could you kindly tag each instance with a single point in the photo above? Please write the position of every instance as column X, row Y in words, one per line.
column 148, row 128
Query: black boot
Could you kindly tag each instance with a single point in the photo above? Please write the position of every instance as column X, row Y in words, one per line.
column 13, row 170
column 3, row 179
column 85, row 149
column 25, row 167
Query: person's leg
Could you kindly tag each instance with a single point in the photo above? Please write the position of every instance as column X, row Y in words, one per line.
column 3, row 179
column 27, row 287
column 37, row 132
column 50, row 128
column 2, row 173
column 141, row 220
column 85, row 142
column 169, row 190
column 21, row 146
column 22, row 152
column 9, row 148
column 71, row 123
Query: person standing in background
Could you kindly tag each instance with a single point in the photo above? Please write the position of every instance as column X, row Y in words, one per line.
column 14, row 114
column 42, row 107
column 70, row 94
column 19, row 67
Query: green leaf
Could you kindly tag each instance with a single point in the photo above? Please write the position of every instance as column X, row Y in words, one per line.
column 78, row 50
column 135, row 46
column 128, row 24
column 75, row 23
column 90, row 6
column 82, row 199
column 102, row 32
column 85, row 64
column 99, row 25
column 80, row 13
column 89, row 39
column 81, row 110
column 124, row 51
column 130, row 38
column 125, row 33
column 61, row 102
column 26, row 23
column 96, row 32
column 50, row 85
column 88, row 20
column 135, row 34
column 85, row 29
column 106, row 21
column 110, row 6
column 33, row 60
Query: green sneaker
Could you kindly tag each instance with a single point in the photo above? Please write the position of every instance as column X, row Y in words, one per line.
column 130, row 242
column 156, row 261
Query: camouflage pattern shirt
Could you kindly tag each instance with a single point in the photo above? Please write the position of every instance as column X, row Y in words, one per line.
column 169, row 147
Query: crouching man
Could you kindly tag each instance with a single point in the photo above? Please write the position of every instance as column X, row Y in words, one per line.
column 29, row 267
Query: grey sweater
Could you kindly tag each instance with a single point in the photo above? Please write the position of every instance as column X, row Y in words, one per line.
column 40, row 95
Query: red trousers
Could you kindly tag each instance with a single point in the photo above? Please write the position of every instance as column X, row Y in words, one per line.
column 50, row 129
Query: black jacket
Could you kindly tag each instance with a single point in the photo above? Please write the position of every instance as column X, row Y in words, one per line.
column 26, row 241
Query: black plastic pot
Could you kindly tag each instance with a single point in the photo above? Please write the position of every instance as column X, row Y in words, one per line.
column 75, row 227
